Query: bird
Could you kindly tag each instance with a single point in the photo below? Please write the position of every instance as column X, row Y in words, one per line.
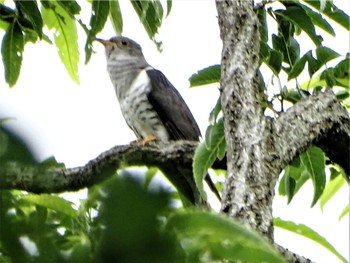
column 151, row 106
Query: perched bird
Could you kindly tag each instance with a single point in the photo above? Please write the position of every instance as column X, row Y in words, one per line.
column 150, row 104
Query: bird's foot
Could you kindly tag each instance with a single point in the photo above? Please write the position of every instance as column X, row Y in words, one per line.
column 146, row 140
column 149, row 139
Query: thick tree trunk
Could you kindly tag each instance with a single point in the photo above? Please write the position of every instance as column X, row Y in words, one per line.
column 248, row 191
column 258, row 147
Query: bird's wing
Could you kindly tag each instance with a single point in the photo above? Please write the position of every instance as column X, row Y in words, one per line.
column 171, row 108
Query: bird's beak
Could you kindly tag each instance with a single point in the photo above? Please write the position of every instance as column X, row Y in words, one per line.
column 104, row 42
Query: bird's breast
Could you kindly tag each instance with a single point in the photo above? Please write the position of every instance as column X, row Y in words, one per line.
column 137, row 110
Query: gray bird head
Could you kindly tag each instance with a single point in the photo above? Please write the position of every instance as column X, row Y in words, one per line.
column 123, row 49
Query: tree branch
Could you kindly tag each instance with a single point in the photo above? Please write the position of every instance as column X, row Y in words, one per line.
column 165, row 156
column 320, row 120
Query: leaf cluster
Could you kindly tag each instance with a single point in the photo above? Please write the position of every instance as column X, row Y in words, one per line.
column 123, row 218
column 280, row 53
column 28, row 20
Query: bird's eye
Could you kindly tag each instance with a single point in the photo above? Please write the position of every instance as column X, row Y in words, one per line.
column 124, row 42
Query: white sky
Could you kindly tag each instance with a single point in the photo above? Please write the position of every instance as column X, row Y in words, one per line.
column 76, row 123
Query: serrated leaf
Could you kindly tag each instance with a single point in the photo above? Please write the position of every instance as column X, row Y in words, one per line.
column 11, row 51
column 325, row 54
column 116, row 16
column 52, row 202
column 313, row 64
column 206, row 76
column 30, row 10
column 297, row 16
column 298, row 67
column 151, row 17
column 314, row 161
column 100, row 11
column 318, row 20
column 65, row 36
column 309, row 233
column 332, row 12
column 289, row 47
column 221, row 238
column 331, row 189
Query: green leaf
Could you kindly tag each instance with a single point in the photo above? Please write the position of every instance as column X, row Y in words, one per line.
column 30, row 10
column 275, row 61
column 206, row 76
column 11, row 51
column 314, row 161
column 220, row 238
column 293, row 179
column 264, row 32
column 307, row 232
column 318, row 20
column 65, row 36
column 345, row 211
column 325, row 54
column 52, row 202
column 116, row 16
column 71, row 6
column 264, row 52
column 169, row 4
column 287, row 184
column 298, row 17
column 7, row 14
column 151, row 16
column 149, row 175
column 215, row 139
column 132, row 235
column 215, row 112
column 100, row 11
column 14, row 149
column 342, row 72
column 203, row 159
column 206, row 153
column 331, row 188
column 50, row 163
column 332, row 12
column 298, row 67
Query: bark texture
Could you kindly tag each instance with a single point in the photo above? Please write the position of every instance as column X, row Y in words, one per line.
column 248, row 191
column 259, row 147
column 36, row 179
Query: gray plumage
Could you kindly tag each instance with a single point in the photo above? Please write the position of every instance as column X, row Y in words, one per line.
column 150, row 104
